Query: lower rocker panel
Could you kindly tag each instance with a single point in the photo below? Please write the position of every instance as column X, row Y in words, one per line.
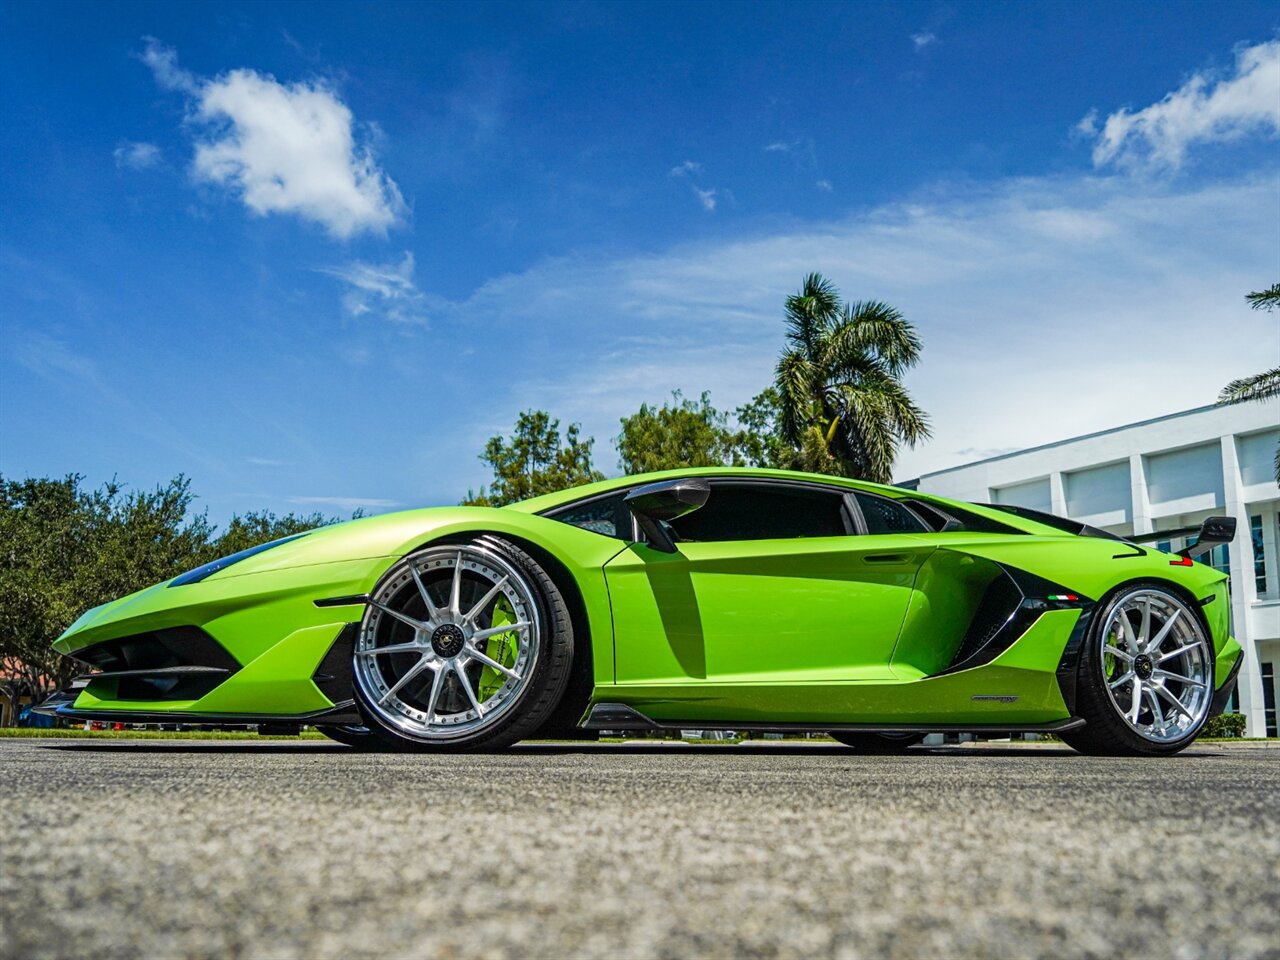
column 619, row 716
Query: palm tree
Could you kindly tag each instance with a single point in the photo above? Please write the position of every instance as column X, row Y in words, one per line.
column 842, row 403
column 1264, row 385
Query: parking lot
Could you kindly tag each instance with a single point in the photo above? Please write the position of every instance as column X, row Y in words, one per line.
column 281, row 849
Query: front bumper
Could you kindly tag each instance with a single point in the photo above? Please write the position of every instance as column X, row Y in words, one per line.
column 226, row 649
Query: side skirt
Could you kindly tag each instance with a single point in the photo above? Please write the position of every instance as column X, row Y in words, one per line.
column 619, row 716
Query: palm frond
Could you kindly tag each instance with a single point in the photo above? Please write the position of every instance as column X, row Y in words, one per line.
column 794, row 380
column 847, row 358
column 909, row 423
column 811, row 310
column 1268, row 299
column 866, row 440
column 1260, row 386
column 884, row 331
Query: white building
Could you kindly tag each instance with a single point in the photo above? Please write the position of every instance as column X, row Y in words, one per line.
column 1164, row 474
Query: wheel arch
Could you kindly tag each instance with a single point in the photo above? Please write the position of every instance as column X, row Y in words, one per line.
column 1069, row 664
column 581, row 684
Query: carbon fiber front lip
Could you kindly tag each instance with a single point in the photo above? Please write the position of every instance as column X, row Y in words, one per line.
column 341, row 713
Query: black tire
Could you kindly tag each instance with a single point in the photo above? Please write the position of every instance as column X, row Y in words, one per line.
column 1107, row 732
column 351, row 735
column 879, row 743
column 538, row 695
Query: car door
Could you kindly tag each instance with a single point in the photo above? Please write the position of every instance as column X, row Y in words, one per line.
column 773, row 582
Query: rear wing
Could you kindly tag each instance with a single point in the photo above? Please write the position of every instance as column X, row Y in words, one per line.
column 1214, row 532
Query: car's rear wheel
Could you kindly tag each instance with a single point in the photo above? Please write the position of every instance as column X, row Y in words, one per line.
column 878, row 742
column 462, row 647
column 1145, row 680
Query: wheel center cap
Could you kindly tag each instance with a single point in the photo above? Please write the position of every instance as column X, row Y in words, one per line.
column 1143, row 665
column 447, row 640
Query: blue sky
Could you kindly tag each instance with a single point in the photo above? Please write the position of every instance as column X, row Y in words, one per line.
column 312, row 256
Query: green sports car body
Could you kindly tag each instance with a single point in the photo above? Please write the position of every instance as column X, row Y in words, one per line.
column 710, row 598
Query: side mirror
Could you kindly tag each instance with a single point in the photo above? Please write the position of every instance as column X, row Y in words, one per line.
column 666, row 500
column 1213, row 532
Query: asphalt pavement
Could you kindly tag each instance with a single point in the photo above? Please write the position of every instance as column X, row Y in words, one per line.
column 301, row 849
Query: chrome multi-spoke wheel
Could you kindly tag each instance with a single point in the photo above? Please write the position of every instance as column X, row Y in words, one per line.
column 1144, row 681
column 449, row 645
column 1157, row 662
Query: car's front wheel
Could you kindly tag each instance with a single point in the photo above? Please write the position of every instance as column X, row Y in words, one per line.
column 1145, row 680
column 462, row 647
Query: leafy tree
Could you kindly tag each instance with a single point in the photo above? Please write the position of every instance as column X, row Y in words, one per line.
column 1264, row 385
column 682, row 433
column 534, row 460
column 67, row 549
column 64, row 549
column 842, row 404
column 250, row 529
column 758, row 442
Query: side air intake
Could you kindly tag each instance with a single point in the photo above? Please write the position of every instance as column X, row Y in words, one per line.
column 1013, row 601
column 178, row 663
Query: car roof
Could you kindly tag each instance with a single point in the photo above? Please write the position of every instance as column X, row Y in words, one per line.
column 550, row 501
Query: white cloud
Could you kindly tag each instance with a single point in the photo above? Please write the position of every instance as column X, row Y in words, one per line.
column 1209, row 107
column 780, row 146
column 163, row 62
column 263, row 462
column 1049, row 307
column 283, row 148
column 386, row 290
column 688, row 169
column 824, row 185
column 923, row 39
column 136, row 156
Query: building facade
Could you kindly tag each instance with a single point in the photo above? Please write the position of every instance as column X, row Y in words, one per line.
column 1165, row 474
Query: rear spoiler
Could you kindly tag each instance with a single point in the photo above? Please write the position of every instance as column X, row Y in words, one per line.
column 1212, row 533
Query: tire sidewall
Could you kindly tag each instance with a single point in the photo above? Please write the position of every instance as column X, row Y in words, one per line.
column 514, row 723
column 1095, row 704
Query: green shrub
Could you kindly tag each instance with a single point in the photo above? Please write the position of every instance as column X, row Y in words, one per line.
column 1224, row 725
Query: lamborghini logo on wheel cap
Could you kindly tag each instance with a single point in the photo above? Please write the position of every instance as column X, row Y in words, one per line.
column 447, row 640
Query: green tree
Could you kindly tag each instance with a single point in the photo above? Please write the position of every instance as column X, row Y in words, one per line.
column 1264, row 385
column 757, row 441
column 64, row 549
column 534, row 460
column 250, row 529
column 681, row 433
column 67, row 549
column 842, row 404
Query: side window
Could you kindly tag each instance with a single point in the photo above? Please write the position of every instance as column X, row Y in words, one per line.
column 604, row 515
column 763, row 511
column 885, row 516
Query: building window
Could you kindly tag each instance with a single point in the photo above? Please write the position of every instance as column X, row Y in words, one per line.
column 1259, row 555
column 1269, row 696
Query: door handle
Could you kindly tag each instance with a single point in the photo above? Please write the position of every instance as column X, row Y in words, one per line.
column 887, row 558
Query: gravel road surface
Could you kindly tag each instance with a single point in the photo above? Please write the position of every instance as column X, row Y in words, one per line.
column 302, row 849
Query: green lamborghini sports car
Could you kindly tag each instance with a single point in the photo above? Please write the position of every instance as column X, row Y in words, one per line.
column 736, row 599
